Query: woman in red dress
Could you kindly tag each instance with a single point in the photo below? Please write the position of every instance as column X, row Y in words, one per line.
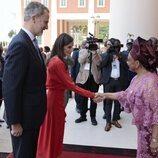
column 58, row 80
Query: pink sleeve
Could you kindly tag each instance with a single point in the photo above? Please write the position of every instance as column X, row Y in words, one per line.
column 122, row 98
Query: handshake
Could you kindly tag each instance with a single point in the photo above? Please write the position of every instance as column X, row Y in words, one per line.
column 99, row 97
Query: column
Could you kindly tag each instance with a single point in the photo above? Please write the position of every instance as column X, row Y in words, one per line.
column 137, row 17
column 53, row 20
column 91, row 26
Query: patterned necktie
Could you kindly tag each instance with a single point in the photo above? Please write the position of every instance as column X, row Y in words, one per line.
column 35, row 42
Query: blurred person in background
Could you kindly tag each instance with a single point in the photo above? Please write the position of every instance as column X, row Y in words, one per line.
column 114, row 78
column 4, row 52
column 74, row 72
column 47, row 52
column 125, row 53
column 88, row 78
column 1, row 78
column 43, row 54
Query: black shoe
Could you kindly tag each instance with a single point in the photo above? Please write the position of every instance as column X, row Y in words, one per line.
column 116, row 124
column 0, row 125
column 81, row 119
column 104, row 116
column 94, row 121
column 107, row 127
column 1, row 121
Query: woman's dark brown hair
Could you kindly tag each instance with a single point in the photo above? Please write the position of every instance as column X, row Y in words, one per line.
column 58, row 47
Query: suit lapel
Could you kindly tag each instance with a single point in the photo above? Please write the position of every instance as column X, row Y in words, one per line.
column 33, row 50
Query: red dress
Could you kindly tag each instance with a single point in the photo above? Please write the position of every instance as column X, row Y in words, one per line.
column 52, row 130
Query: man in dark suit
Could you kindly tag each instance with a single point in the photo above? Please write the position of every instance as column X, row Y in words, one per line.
column 114, row 78
column 24, row 83
column 125, row 53
column 74, row 72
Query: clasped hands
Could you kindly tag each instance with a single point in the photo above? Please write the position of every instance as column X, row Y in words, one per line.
column 99, row 97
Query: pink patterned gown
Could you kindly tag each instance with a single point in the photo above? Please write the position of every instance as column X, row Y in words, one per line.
column 141, row 99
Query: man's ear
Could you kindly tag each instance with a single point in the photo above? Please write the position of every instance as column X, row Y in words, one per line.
column 33, row 18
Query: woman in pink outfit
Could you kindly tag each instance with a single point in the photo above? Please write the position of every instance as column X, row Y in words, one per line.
column 141, row 97
column 58, row 80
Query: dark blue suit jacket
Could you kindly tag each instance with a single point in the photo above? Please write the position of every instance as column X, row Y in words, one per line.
column 76, row 67
column 24, row 83
column 106, row 69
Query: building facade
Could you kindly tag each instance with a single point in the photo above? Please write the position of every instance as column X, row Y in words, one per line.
column 75, row 17
column 103, row 18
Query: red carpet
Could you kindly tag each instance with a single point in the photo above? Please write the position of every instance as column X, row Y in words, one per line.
column 78, row 155
column 79, row 151
column 87, row 155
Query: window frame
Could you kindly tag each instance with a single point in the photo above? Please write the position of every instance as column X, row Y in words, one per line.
column 45, row 1
column 79, row 6
column 100, row 6
column 26, row 2
column 61, row 6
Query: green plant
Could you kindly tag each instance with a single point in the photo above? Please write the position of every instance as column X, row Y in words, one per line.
column 11, row 33
column 103, row 32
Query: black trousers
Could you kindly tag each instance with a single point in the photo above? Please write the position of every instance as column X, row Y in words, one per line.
column 1, row 96
column 92, row 86
column 77, row 99
column 112, row 86
column 25, row 146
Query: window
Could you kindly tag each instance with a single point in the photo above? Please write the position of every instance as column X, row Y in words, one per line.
column 39, row 39
column 100, row 3
column 45, row 2
column 63, row 3
column 81, row 3
column 26, row 2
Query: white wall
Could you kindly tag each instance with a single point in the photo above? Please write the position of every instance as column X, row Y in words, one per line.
column 138, row 17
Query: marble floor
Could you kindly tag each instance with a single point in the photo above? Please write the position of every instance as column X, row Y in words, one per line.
column 85, row 133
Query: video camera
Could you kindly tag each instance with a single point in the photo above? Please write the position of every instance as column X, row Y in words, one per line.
column 91, row 42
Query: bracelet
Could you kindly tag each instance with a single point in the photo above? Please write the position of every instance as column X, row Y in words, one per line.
column 155, row 140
